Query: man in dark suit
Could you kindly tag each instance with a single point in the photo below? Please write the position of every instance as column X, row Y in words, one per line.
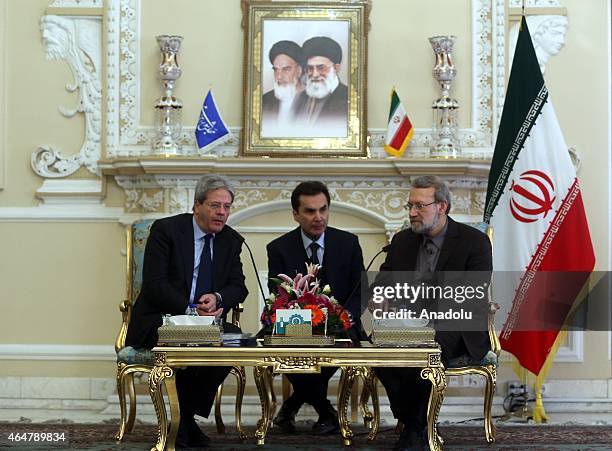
column 341, row 258
column 324, row 102
column 191, row 259
column 434, row 243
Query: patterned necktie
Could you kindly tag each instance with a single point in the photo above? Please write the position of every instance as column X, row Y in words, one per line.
column 314, row 258
column 430, row 252
column 204, row 283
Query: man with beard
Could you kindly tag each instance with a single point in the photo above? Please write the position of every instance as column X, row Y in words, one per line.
column 278, row 104
column 324, row 102
column 434, row 243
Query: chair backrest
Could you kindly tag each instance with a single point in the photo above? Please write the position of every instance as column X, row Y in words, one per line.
column 136, row 240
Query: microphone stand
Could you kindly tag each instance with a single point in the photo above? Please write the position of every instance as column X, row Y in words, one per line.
column 355, row 335
column 261, row 290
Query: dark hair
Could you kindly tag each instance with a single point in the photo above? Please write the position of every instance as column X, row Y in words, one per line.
column 289, row 48
column 441, row 191
column 322, row 46
column 211, row 182
column 310, row 188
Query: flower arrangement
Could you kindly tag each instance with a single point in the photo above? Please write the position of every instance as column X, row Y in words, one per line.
column 304, row 292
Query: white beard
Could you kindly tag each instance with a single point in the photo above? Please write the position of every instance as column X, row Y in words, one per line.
column 284, row 92
column 321, row 89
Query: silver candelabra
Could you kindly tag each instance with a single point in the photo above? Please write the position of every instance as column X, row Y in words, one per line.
column 445, row 136
column 168, row 108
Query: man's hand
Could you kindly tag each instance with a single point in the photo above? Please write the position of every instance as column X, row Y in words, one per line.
column 207, row 305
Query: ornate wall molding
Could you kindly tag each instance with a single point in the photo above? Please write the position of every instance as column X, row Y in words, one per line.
column 76, row 4
column 77, row 41
column 128, row 138
column 379, row 201
column 548, row 25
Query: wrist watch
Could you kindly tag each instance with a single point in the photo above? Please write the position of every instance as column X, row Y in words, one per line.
column 219, row 300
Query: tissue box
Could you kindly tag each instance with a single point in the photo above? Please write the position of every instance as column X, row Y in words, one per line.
column 171, row 335
column 404, row 337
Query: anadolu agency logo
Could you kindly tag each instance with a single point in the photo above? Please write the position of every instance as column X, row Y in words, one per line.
column 532, row 196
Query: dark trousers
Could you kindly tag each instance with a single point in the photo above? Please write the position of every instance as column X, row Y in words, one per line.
column 409, row 394
column 311, row 389
column 197, row 385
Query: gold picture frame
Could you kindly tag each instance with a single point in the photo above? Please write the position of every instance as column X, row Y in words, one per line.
column 321, row 78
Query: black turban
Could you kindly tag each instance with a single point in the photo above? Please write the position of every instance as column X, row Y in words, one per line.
column 322, row 46
column 289, row 48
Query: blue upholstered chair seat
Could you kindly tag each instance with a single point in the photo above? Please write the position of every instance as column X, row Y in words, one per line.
column 135, row 356
column 464, row 360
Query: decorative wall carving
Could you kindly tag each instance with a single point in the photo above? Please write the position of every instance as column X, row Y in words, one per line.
column 378, row 200
column 77, row 41
column 548, row 36
column 77, row 3
column 129, row 138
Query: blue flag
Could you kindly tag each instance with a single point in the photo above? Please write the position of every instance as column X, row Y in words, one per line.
column 210, row 128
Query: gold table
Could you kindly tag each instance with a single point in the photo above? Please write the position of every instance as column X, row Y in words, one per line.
column 268, row 360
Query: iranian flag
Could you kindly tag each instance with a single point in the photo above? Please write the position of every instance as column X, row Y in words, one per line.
column 535, row 207
column 399, row 129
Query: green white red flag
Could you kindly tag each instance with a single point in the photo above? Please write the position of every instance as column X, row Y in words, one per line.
column 399, row 128
column 535, row 207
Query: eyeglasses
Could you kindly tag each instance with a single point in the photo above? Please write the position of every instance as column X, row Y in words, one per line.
column 218, row 206
column 418, row 206
column 321, row 68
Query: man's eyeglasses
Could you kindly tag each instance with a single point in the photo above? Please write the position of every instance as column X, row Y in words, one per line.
column 418, row 206
column 321, row 68
column 218, row 206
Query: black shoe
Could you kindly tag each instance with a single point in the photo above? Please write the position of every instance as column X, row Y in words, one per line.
column 327, row 422
column 285, row 419
column 190, row 435
column 411, row 440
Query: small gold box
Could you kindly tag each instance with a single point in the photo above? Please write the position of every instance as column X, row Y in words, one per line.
column 308, row 340
column 298, row 330
column 171, row 335
column 413, row 336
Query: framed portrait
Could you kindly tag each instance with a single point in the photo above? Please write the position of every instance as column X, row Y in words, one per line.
column 305, row 78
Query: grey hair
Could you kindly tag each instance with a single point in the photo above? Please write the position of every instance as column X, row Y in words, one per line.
column 211, row 182
column 441, row 191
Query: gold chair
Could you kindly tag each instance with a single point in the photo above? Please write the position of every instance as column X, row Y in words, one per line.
column 488, row 371
column 131, row 361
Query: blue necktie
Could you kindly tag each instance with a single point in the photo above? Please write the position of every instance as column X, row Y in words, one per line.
column 204, row 283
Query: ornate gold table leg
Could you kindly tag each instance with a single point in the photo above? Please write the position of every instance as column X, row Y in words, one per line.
column 218, row 418
column 262, row 380
column 238, row 371
column 363, row 404
column 156, row 379
column 371, row 381
column 347, row 376
column 438, row 380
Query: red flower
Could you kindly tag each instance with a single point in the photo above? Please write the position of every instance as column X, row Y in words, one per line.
column 317, row 315
column 307, row 298
column 346, row 322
